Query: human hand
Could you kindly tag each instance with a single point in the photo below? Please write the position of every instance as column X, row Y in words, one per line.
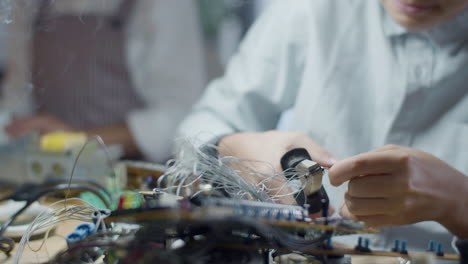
column 40, row 123
column 269, row 147
column 397, row 185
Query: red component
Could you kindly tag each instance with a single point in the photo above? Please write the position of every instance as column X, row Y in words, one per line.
column 120, row 206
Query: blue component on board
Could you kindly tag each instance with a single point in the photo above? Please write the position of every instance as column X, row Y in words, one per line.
column 86, row 229
column 367, row 243
column 403, row 247
column 431, row 246
column 329, row 243
column 396, row 248
column 73, row 238
column 361, row 247
column 440, row 250
column 81, row 232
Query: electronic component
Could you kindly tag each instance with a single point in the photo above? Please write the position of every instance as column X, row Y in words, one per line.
column 309, row 174
column 62, row 141
column 81, row 232
column 363, row 245
column 431, row 246
column 225, row 207
column 440, row 251
column 58, row 165
column 217, row 229
column 25, row 161
column 403, row 249
column 193, row 219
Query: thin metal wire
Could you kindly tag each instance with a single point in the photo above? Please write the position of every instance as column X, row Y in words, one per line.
column 110, row 162
column 237, row 177
column 49, row 218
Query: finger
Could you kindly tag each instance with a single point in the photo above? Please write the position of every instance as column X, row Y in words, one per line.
column 345, row 213
column 371, row 206
column 377, row 221
column 289, row 200
column 387, row 148
column 331, row 210
column 16, row 129
column 316, row 152
column 365, row 164
column 376, row 186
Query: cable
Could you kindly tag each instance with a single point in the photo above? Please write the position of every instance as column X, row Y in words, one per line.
column 49, row 219
column 231, row 175
column 31, row 193
column 101, row 239
column 35, row 195
column 103, row 146
column 6, row 245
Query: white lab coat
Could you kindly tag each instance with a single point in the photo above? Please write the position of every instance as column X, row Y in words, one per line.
column 356, row 81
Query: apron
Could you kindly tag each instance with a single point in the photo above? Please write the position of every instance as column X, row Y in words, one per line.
column 79, row 69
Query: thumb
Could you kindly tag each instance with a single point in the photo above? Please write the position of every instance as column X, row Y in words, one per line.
column 320, row 155
column 345, row 213
column 324, row 158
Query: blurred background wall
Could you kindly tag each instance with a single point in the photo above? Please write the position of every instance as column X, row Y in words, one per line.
column 225, row 22
column 3, row 50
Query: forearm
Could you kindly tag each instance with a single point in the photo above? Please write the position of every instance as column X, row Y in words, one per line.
column 116, row 134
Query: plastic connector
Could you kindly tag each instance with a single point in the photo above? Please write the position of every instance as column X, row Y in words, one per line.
column 81, row 232
column 85, row 229
column 73, row 238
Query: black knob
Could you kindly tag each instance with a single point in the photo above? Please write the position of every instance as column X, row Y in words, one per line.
column 294, row 157
column 318, row 200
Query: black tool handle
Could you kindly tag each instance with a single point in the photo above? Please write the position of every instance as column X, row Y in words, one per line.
column 317, row 201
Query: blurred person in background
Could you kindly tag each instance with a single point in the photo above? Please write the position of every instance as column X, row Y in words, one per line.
column 360, row 75
column 126, row 70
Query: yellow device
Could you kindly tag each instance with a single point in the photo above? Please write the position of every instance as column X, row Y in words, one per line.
column 62, row 141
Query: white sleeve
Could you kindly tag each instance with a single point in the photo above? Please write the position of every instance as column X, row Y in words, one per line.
column 261, row 81
column 167, row 67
